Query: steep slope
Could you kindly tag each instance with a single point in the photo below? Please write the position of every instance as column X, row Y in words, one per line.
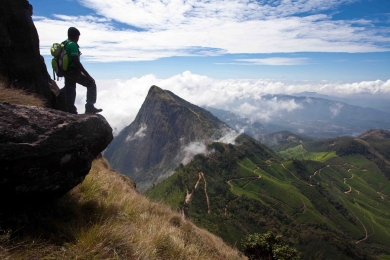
column 329, row 198
column 163, row 135
column 106, row 218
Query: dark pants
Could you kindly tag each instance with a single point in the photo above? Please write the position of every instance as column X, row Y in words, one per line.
column 72, row 77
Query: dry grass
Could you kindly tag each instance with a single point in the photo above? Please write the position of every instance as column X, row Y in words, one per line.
column 105, row 218
column 17, row 96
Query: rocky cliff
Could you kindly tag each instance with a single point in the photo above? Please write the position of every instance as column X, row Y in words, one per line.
column 162, row 135
column 44, row 153
column 21, row 64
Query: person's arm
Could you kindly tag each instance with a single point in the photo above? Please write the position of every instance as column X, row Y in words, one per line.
column 80, row 66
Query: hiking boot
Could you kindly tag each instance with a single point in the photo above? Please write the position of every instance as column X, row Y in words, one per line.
column 91, row 109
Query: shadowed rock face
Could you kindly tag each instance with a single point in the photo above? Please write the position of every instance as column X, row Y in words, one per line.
column 44, row 153
column 20, row 60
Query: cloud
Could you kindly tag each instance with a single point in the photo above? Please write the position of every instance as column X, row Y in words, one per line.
column 122, row 99
column 264, row 109
column 139, row 134
column 275, row 61
column 335, row 110
column 192, row 149
column 158, row 29
column 200, row 147
column 229, row 135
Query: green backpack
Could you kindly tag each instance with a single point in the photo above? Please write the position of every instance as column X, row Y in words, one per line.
column 60, row 59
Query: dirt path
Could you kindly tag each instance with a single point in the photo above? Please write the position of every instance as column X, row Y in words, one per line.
column 195, row 114
column 318, row 171
column 243, row 178
column 205, row 191
column 345, row 182
column 382, row 195
column 311, row 185
column 189, row 195
column 357, row 218
column 303, row 149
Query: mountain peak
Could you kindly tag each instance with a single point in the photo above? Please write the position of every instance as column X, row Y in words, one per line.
column 167, row 131
column 157, row 92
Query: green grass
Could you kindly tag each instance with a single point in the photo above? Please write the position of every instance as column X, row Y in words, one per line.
column 280, row 194
column 298, row 152
column 247, row 163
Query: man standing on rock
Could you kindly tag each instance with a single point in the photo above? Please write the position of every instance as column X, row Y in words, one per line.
column 77, row 74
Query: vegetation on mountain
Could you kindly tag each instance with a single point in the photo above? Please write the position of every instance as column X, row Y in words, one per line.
column 329, row 198
column 268, row 246
column 106, row 218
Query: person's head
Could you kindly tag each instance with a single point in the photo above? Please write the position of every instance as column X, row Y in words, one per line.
column 73, row 34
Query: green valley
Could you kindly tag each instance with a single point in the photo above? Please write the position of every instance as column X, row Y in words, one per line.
column 329, row 199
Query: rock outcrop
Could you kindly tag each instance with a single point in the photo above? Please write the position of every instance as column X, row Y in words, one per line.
column 44, row 153
column 20, row 61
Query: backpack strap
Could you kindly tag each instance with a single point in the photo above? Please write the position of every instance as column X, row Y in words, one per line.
column 65, row 43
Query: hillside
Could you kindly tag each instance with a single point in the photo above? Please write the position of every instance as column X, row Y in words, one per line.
column 167, row 131
column 329, row 198
column 106, row 218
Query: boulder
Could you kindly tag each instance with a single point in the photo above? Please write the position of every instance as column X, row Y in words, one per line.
column 44, row 153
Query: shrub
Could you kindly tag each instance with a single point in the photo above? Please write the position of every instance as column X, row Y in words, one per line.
column 267, row 246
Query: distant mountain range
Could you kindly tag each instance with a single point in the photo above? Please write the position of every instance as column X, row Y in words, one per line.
column 315, row 117
column 362, row 100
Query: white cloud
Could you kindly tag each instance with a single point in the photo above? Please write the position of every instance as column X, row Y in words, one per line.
column 200, row 147
column 121, row 100
column 139, row 134
column 229, row 135
column 192, row 149
column 202, row 27
column 275, row 61
column 335, row 110
column 264, row 109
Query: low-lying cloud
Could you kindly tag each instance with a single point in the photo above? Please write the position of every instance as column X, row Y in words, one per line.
column 335, row 110
column 264, row 109
column 200, row 147
column 139, row 134
column 122, row 99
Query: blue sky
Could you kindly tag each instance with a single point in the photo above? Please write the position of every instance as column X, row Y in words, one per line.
column 329, row 46
column 305, row 39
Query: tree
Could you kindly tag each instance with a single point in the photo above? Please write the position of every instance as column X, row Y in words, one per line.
column 267, row 246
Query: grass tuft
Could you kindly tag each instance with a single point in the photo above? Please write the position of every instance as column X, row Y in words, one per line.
column 17, row 96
